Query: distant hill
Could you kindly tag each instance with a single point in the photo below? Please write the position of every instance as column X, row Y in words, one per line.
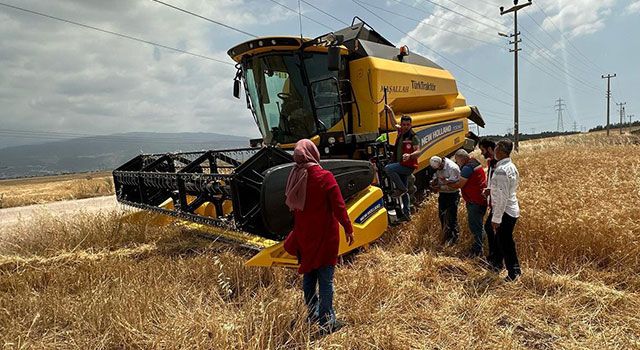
column 103, row 152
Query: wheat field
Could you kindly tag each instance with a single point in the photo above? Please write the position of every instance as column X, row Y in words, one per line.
column 39, row 190
column 102, row 282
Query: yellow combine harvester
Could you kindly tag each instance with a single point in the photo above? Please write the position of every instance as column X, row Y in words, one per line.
column 332, row 90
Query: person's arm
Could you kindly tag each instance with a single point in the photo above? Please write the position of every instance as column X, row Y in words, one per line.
column 499, row 195
column 460, row 184
column 454, row 174
column 465, row 174
column 413, row 155
column 393, row 116
column 338, row 207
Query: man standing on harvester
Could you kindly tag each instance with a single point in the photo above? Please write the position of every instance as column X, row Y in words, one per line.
column 406, row 153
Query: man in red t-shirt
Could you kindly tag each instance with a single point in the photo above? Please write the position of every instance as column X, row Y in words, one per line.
column 473, row 181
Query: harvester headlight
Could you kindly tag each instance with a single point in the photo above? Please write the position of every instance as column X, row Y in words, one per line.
column 331, row 140
column 326, row 150
column 273, row 41
column 260, row 43
column 251, row 45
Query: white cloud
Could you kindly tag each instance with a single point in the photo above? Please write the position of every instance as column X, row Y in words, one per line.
column 61, row 77
column 576, row 18
column 449, row 32
column 633, row 7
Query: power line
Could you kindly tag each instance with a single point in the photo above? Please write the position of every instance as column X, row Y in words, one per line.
column 301, row 15
column 478, row 13
column 455, row 22
column 465, row 16
column 115, row 33
column 434, row 51
column 433, row 26
column 538, row 44
column 205, row 18
column 552, row 38
column 567, row 40
column 326, row 13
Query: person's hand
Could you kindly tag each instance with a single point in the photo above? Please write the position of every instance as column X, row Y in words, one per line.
column 349, row 236
column 495, row 226
column 406, row 157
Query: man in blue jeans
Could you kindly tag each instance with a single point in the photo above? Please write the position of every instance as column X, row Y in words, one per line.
column 406, row 153
column 473, row 181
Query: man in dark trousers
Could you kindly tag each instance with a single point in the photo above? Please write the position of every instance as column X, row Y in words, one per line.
column 447, row 172
column 406, row 153
column 487, row 149
column 504, row 204
column 472, row 182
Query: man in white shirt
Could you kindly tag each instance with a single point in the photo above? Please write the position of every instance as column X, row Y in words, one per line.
column 504, row 203
column 447, row 172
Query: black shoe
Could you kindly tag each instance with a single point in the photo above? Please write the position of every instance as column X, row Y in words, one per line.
column 451, row 241
column 397, row 193
column 331, row 327
column 404, row 218
column 474, row 254
column 512, row 277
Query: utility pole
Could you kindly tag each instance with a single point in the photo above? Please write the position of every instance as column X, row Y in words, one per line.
column 515, row 50
column 575, row 126
column 630, row 116
column 559, row 108
column 621, row 110
column 608, row 77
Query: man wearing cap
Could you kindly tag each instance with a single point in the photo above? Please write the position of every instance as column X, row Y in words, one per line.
column 473, row 181
column 447, row 172
column 406, row 160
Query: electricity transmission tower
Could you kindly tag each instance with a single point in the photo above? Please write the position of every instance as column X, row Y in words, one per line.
column 621, row 109
column 559, row 108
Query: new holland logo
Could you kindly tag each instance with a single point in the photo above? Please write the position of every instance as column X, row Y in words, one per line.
column 431, row 135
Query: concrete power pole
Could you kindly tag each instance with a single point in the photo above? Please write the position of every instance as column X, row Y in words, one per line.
column 559, row 108
column 575, row 126
column 608, row 77
column 515, row 50
column 621, row 110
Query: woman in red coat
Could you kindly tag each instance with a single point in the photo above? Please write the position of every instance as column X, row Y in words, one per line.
column 317, row 204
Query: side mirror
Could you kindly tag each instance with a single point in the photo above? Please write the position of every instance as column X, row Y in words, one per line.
column 333, row 58
column 236, row 88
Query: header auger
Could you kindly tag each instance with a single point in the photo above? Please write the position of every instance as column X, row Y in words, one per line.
column 330, row 89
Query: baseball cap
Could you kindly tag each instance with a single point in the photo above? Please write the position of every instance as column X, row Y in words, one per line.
column 435, row 162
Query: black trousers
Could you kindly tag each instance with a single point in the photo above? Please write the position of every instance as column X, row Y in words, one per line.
column 448, row 212
column 506, row 246
column 494, row 257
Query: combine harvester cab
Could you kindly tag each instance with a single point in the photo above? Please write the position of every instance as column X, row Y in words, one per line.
column 331, row 90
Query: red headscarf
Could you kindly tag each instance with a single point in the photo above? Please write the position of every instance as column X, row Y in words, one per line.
column 306, row 155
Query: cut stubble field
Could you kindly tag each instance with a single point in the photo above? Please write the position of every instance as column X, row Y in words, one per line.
column 39, row 190
column 100, row 281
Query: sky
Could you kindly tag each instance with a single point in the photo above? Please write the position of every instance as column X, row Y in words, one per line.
column 60, row 78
